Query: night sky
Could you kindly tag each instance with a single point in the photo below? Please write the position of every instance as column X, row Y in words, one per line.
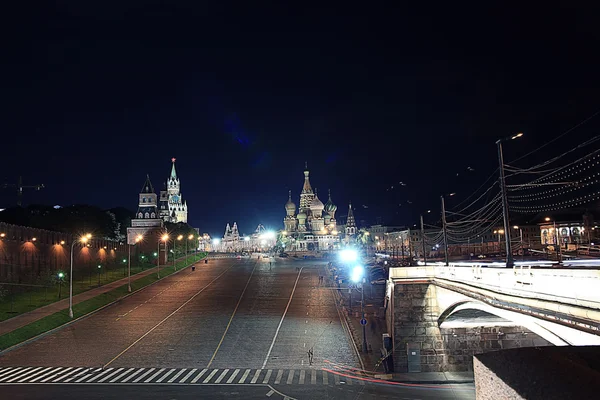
column 96, row 96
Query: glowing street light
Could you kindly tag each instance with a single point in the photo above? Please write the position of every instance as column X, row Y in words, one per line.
column 358, row 276
column 164, row 238
column 82, row 240
column 348, row 255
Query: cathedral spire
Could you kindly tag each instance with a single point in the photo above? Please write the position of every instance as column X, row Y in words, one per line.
column 350, row 222
column 173, row 172
column 147, row 188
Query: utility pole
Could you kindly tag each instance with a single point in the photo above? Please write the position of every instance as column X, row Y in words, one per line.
column 445, row 232
column 423, row 240
column 20, row 188
column 509, row 257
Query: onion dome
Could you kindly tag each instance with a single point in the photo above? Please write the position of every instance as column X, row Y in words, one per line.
column 290, row 207
column 330, row 208
column 316, row 205
column 302, row 216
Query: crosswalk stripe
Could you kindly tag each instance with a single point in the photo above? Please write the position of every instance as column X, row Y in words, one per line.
column 220, row 378
column 62, row 373
column 232, row 377
column 93, row 378
column 122, row 375
column 139, row 378
column 269, row 372
column 188, row 375
column 52, row 372
column 209, row 377
column 255, row 377
column 177, row 375
column 85, row 371
column 160, row 371
column 111, row 375
column 243, row 378
column 199, row 375
column 31, row 374
column 58, row 379
column 279, row 375
column 7, row 371
column 159, row 380
column 14, row 372
column 15, row 375
column 20, row 374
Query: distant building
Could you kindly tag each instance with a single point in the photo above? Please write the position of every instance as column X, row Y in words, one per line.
column 147, row 223
column 233, row 242
column 172, row 207
column 314, row 227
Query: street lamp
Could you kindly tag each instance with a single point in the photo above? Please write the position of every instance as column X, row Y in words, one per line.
column 60, row 275
column 190, row 237
column 358, row 276
column 503, row 192
column 180, row 237
column 138, row 239
column 84, row 239
column 164, row 238
column 556, row 240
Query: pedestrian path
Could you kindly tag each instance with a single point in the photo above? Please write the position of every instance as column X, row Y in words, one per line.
column 186, row 376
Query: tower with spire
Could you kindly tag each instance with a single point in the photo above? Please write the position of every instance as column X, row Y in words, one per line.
column 147, row 222
column 172, row 206
column 350, row 222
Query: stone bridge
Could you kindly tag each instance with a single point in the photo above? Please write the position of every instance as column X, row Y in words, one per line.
column 440, row 316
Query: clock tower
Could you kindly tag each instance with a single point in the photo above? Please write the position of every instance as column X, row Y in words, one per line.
column 172, row 207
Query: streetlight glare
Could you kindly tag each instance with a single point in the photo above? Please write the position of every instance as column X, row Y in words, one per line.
column 518, row 135
column 547, row 219
column 216, row 241
column 348, row 255
column 89, row 236
column 357, row 273
column 61, row 275
column 190, row 237
column 165, row 237
column 179, row 237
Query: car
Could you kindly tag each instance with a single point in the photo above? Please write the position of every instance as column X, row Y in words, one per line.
column 283, row 255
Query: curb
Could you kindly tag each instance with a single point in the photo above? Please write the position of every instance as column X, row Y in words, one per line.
column 41, row 335
column 434, row 382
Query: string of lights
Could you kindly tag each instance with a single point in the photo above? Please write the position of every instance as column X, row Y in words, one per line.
column 566, row 188
column 559, row 205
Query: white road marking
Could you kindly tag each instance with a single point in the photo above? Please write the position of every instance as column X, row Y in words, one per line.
column 325, row 378
column 111, row 375
column 167, row 317
column 266, row 380
column 279, row 375
column 80, row 373
column 106, row 371
column 160, row 371
column 209, row 377
column 23, row 372
column 14, row 372
column 177, row 375
column 301, row 379
column 220, row 378
column 188, row 375
column 162, row 378
column 290, row 378
column 120, row 376
column 52, row 372
column 336, row 379
column 65, row 374
column 134, row 374
column 30, row 374
column 281, row 322
column 270, row 393
column 243, row 378
column 199, row 376
column 313, row 377
column 232, row 377
column 256, row 374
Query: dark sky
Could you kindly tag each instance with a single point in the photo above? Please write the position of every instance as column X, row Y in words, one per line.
column 96, row 96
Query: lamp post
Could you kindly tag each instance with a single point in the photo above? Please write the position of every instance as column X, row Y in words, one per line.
column 84, row 240
column 503, row 192
column 190, row 237
column 137, row 240
column 164, row 238
column 358, row 276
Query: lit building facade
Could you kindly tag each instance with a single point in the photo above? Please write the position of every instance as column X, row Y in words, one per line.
column 172, row 206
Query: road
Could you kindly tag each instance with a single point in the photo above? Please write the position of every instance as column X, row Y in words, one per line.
column 231, row 322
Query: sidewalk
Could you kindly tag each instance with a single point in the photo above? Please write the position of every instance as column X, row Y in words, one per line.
column 433, row 377
column 20, row 320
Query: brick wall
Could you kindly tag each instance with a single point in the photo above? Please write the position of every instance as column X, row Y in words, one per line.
column 29, row 254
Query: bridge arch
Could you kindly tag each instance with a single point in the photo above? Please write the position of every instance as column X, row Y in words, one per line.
column 519, row 319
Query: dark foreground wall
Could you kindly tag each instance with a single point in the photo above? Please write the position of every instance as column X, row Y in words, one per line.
column 548, row 373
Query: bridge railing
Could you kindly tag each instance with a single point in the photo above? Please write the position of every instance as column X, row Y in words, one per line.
column 579, row 287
